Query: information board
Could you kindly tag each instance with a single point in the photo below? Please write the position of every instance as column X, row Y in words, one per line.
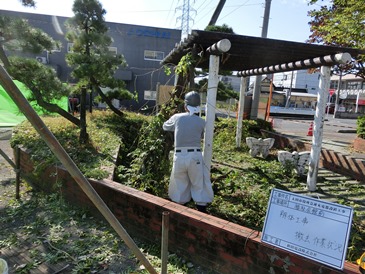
column 316, row 229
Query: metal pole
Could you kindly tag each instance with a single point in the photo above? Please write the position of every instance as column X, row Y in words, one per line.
column 216, row 13
column 222, row 46
column 165, row 241
column 315, row 155
column 256, row 98
column 257, row 86
column 338, row 94
column 240, row 111
column 61, row 154
column 211, row 103
column 265, row 24
column 357, row 102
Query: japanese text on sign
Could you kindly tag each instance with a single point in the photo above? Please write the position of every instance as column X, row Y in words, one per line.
column 318, row 230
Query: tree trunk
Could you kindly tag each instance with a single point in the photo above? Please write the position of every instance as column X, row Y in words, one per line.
column 83, row 133
column 53, row 108
column 91, row 102
column 108, row 101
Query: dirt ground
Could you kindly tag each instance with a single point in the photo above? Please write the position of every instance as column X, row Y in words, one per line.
column 16, row 257
column 19, row 256
column 7, row 174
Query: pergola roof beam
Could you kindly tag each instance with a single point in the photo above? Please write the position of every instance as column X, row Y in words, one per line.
column 328, row 60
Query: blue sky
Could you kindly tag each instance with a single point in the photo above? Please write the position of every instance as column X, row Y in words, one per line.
column 288, row 18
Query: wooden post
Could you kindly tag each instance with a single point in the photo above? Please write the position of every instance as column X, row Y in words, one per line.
column 315, row 155
column 157, row 96
column 240, row 111
column 17, row 172
column 165, row 241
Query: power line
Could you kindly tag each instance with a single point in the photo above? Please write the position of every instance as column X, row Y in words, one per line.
column 202, row 5
column 185, row 17
column 172, row 3
column 208, row 11
column 236, row 7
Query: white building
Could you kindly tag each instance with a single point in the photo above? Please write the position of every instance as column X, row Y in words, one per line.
column 300, row 79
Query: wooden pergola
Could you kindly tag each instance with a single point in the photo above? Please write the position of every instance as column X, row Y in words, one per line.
column 257, row 56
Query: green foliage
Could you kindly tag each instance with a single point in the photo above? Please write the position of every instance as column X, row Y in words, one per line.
column 340, row 24
column 224, row 92
column 150, row 163
column 360, row 129
column 224, row 28
column 241, row 183
column 95, row 158
column 40, row 79
column 28, row 3
column 183, row 67
column 19, row 35
column 167, row 70
column 93, row 65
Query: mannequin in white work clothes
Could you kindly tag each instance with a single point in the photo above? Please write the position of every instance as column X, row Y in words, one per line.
column 189, row 176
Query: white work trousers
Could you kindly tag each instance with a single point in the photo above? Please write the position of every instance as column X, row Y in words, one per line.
column 190, row 178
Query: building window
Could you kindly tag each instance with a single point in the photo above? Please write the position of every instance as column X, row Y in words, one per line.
column 56, row 49
column 153, row 55
column 150, row 95
column 69, row 47
column 113, row 50
column 333, row 84
column 354, row 85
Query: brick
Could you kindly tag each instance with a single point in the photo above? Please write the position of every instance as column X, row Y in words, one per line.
column 222, row 246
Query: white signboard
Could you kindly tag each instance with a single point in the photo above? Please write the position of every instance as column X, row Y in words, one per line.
column 309, row 227
column 150, row 95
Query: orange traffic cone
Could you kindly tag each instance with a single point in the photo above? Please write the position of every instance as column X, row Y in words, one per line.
column 310, row 130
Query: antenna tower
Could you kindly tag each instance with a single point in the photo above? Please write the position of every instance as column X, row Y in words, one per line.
column 185, row 17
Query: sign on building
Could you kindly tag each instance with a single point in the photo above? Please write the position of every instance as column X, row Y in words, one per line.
column 150, row 95
column 316, row 229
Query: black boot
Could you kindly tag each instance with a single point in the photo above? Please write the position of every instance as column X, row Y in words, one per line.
column 201, row 208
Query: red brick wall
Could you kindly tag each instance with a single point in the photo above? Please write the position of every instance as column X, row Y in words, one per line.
column 331, row 160
column 219, row 245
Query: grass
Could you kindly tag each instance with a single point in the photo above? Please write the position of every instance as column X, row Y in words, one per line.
column 50, row 232
column 242, row 184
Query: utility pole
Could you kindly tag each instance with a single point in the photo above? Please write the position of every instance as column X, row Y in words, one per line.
column 265, row 24
column 216, row 13
column 257, row 86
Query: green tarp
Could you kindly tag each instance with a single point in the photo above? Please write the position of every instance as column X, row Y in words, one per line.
column 10, row 115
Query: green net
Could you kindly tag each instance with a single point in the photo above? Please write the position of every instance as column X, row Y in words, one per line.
column 10, row 115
